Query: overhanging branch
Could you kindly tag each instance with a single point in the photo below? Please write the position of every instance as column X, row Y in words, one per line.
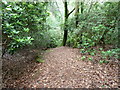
column 71, row 12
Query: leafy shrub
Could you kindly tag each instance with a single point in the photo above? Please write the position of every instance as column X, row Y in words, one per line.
column 110, row 53
column 96, row 28
column 23, row 22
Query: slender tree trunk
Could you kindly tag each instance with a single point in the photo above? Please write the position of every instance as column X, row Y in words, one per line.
column 82, row 7
column 76, row 13
column 65, row 24
column 65, row 37
column 81, row 13
column 118, row 24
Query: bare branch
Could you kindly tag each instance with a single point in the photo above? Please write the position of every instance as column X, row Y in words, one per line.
column 71, row 12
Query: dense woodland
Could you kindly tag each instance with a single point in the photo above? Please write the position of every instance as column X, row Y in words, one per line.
column 41, row 34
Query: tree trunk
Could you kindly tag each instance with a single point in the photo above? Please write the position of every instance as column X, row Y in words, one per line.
column 65, row 24
column 65, row 37
column 82, row 6
column 81, row 13
column 118, row 24
column 76, row 13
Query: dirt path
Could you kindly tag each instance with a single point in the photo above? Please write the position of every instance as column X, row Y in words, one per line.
column 63, row 69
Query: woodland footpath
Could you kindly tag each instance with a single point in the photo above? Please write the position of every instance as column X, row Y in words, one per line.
column 65, row 44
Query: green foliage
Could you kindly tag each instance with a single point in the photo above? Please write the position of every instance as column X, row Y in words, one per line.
column 103, row 61
column 116, row 53
column 40, row 60
column 101, row 49
column 23, row 23
column 97, row 27
column 18, row 43
column 34, row 24
column 92, row 53
column 83, row 57
column 55, row 38
column 82, row 51
column 90, row 59
column 110, row 53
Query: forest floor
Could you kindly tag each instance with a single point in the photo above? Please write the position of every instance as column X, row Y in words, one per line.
column 62, row 68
